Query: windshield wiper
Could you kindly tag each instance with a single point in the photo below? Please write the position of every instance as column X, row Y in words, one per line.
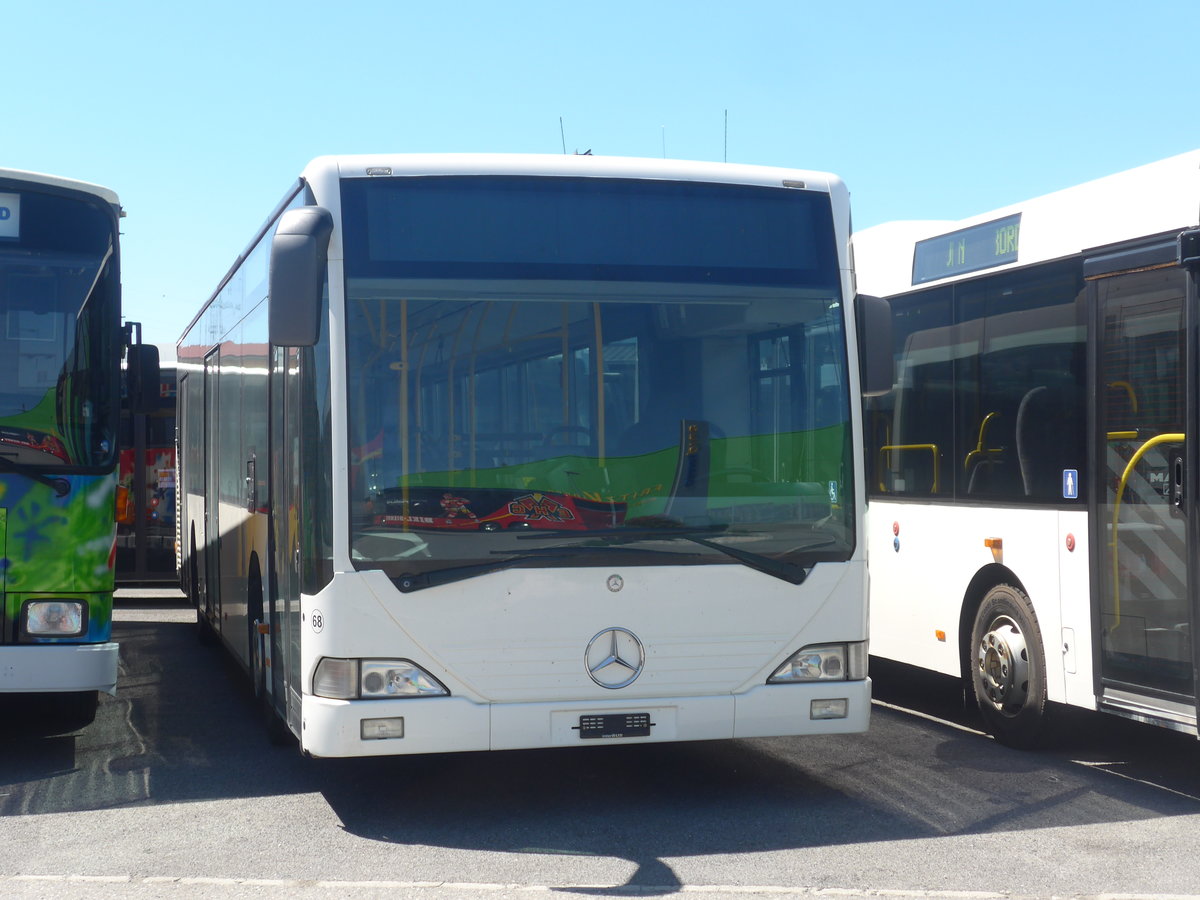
column 409, row 582
column 60, row 486
column 786, row 571
column 633, row 534
column 777, row 568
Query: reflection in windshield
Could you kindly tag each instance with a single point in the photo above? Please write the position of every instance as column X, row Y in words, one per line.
column 475, row 421
column 577, row 356
column 58, row 309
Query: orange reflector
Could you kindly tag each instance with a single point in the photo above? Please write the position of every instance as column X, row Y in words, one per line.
column 941, row 635
column 996, row 545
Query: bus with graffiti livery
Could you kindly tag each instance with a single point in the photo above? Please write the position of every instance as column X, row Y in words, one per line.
column 146, row 489
column 60, row 401
column 485, row 452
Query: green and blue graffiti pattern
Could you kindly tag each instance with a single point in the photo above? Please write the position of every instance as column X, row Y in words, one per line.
column 60, row 545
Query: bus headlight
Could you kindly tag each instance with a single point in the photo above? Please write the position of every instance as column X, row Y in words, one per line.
column 824, row 662
column 374, row 679
column 398, row 678
column 54, row 618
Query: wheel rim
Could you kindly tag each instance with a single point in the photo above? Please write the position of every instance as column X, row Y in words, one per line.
column 1003, row 666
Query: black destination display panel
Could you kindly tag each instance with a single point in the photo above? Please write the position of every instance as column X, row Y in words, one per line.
column 967, row 250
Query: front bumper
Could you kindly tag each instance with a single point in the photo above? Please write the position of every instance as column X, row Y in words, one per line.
column 39, row 668
column 454, row 724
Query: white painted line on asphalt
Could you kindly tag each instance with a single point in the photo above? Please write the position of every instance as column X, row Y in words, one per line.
column 740, row 890
column 1104, row 767
column 929, row 718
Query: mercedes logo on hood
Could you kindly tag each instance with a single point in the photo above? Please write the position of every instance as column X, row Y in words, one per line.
column 614, row 658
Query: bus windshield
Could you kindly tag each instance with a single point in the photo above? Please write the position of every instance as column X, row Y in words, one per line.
column 58, row 332
column 630, row 367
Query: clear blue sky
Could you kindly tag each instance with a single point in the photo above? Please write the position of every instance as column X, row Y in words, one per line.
column 200, row 114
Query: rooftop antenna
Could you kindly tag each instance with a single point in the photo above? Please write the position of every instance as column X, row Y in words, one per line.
column 563, row 134
column 664, row 141
column 727, row 135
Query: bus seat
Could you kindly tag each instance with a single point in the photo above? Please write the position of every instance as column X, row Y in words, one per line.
column 1047, row 441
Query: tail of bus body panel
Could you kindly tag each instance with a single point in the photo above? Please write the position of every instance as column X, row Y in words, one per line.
column 1033, row 512
column 533, row 487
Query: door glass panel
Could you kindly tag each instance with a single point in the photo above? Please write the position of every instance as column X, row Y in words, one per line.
column 1144, row 611
column 285, row 504
column 212, row 528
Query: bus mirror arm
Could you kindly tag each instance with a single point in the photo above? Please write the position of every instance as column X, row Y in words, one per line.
column 299, row 251
column 874, row 316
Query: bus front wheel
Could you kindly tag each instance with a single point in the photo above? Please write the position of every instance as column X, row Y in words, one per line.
column 1008, row 668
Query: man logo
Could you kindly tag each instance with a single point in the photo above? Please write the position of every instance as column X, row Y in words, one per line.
column 614, row 658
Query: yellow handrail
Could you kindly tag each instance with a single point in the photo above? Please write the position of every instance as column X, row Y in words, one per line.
column 932, row 448
column 979, row 451
column 1133, row 461
column 1128, row 388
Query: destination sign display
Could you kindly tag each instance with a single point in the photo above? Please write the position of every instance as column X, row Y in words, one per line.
column 967, row 250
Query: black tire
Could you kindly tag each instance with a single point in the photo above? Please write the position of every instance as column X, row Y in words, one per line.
column 204, row 630
column 278, row 733
column 277, row 730
column 1008, row 668
column 258, row 668
column 72, row 711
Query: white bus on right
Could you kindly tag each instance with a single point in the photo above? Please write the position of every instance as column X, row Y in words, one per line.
column 1035, row 501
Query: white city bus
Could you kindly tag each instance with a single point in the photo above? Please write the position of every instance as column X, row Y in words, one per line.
column 489, row 452
column 1034, row 504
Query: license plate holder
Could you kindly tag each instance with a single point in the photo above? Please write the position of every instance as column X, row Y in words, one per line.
column 614, row 725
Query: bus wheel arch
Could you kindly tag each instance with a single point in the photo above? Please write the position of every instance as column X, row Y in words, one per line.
column 987, row 578
column 1004, row 658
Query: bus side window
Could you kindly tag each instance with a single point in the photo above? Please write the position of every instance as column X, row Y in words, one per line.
column 911, row 437
column 1025, row 370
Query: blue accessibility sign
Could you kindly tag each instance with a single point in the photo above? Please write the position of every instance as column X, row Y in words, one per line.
column 1070, row 484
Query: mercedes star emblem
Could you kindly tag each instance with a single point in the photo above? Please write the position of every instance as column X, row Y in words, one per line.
column 614, row 658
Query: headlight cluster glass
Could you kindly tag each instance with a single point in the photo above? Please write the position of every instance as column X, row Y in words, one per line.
column 825, row 662
column 374, row 679
column 54, row 618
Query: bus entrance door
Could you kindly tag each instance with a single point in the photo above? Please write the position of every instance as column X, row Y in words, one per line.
column 1143, row 591
column 209, row 570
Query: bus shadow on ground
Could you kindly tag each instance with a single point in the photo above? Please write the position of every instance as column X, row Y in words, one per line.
column 909, row 779
column 1160, row 756
column 183, row 727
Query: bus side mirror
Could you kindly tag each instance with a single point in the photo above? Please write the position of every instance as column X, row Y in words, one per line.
column 142, row 374
column 875, row 365
column 299, row 251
